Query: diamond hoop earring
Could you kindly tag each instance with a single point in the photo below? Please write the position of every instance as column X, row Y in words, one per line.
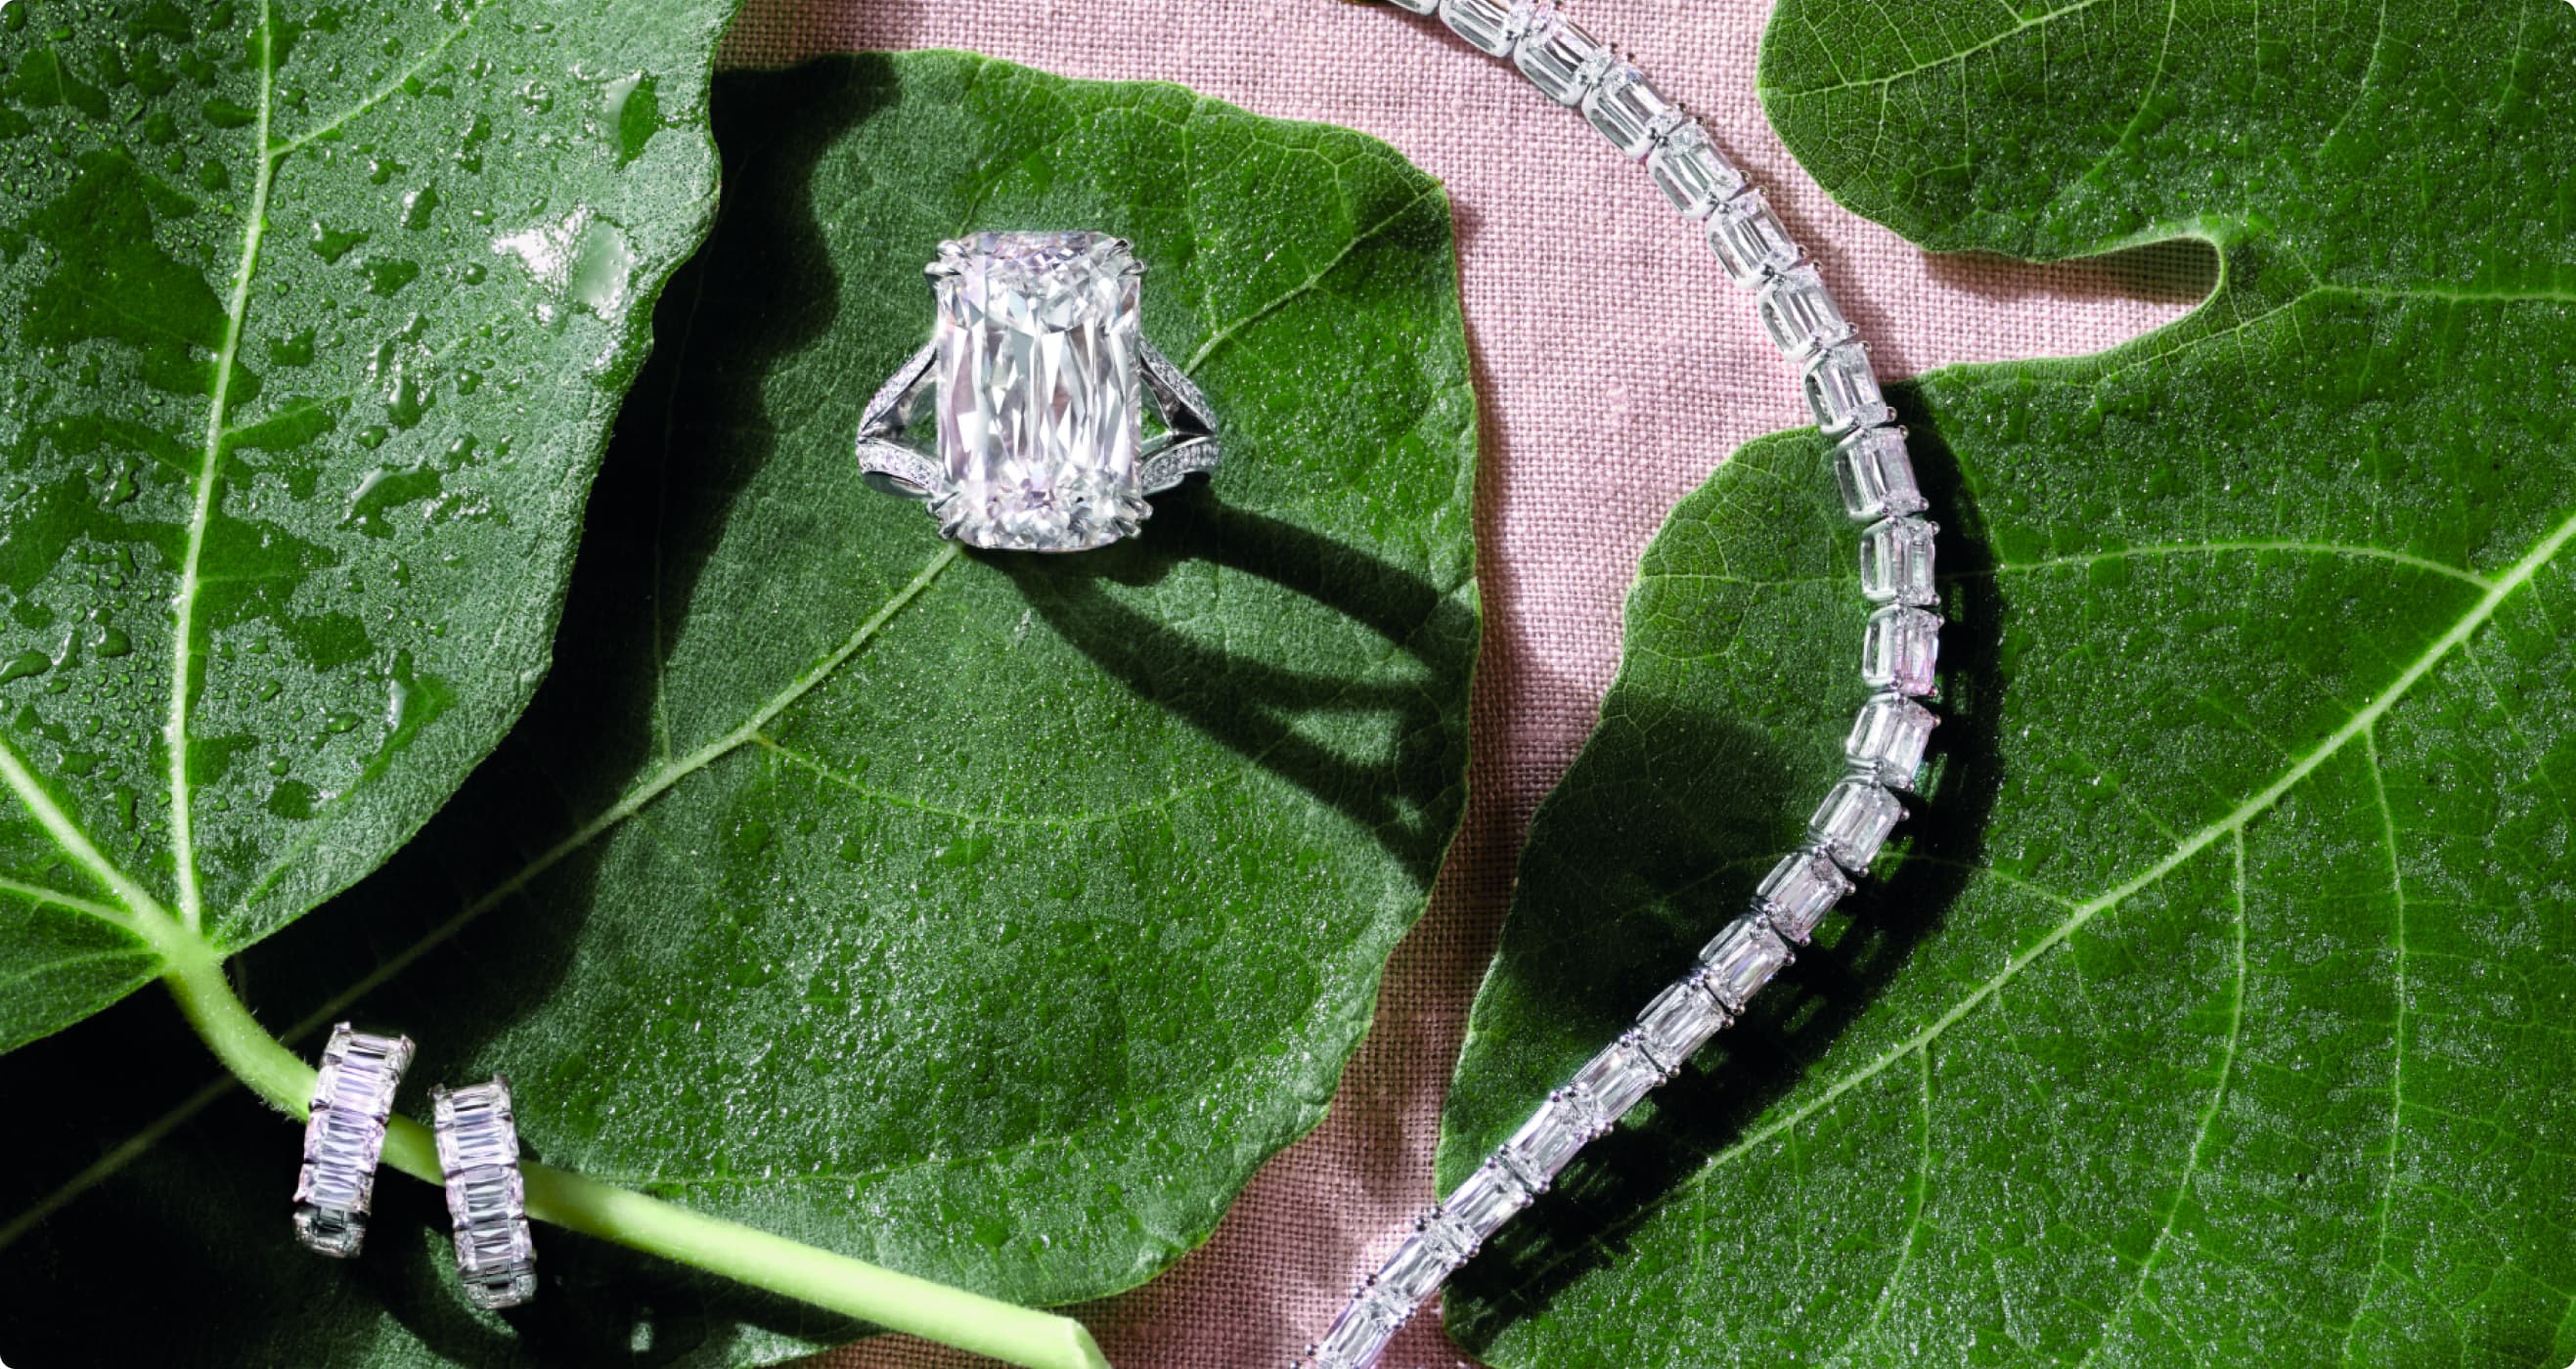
column 344, row 1137
column 1039, row 368
column 487, row 1200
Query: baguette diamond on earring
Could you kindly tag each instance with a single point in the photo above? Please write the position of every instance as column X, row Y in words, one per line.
column 478, row 1151
column 344, row 1137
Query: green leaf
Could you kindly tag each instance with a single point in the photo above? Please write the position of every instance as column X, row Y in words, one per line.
column 2215, row 1010
column 316, row 323
column 988, row 916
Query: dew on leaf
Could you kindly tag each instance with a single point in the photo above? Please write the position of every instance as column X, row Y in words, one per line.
column 386, row 276
column 418, row 206
column 291, row 799
column 407, row 400
column 332, row 244
column 747, row 836
column 584, row 257
column 634, row 114
column 296, row 349
column 413, row 699
column 25, row 664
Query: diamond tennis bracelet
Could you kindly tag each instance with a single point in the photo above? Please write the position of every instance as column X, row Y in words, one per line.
column 1887, row 741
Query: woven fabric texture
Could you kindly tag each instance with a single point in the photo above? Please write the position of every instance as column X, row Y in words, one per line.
column 1616, row 368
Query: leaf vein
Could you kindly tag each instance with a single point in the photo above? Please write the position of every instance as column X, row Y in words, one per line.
column 183, row 840
column 382, row 92
column 634, row 801
column 2397, row 1046
column 2522, row 573
column 1960, row 55
column 38, row 893
column 1916, row 1221
column 144, row 910
column 2208, row 1116
column 821, row 769
column 1227, row 333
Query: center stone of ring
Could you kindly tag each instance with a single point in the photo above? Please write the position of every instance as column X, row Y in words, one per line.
column 1039, row 387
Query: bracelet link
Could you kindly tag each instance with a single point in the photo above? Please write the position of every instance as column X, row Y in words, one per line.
column 1562, row 58
column 1900, row 652
column 1489, row 26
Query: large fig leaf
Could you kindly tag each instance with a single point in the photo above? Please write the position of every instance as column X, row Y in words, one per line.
column 2217, row 1010
column 989, row 916
column 316, row 324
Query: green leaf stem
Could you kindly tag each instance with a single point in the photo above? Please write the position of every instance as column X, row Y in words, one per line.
column 321, row 321
column 318, row 324
column 987, row 917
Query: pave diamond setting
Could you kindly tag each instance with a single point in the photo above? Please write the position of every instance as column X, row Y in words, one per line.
column 1040, row 389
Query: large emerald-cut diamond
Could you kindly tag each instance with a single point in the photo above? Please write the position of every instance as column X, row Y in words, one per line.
column 1038, row 389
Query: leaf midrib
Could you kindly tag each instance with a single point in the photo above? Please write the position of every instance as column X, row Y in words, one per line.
column 183, row 837
column 2520, row 574
column 190, row 888
column 145, row 915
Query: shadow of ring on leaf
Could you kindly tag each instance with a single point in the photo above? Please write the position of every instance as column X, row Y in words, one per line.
column 1393, row 759
column 1580, row 1226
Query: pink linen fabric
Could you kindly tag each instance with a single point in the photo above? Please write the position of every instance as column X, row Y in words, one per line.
column 1617, row 368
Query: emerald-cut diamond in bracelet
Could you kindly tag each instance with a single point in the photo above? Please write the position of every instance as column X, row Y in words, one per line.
column 1039, row 373
column 1900, row 652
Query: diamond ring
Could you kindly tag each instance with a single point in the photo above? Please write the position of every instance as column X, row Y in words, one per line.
column 1039, row 371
